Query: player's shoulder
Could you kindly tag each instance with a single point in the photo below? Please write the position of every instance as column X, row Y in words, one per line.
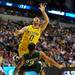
column 37, row 52
column 29, row 25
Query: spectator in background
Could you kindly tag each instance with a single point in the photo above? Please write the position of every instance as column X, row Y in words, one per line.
column 1, row 61
column 53, row 35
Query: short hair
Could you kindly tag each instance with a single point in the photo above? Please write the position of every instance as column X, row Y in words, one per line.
column 31, row 46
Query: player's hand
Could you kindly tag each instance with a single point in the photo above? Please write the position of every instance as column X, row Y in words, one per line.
column 42, row 6
column 16, row 33
column 61, row 66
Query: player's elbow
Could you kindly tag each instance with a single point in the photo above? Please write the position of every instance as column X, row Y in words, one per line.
column 47, row 21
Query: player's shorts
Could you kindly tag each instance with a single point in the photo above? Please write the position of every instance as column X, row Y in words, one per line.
column 23, row 46
column 22, row 52
column 37, row 67
column 23, row 49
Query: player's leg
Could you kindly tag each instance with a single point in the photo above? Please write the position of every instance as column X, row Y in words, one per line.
column 23, row 46
column 0, row 72
column 42, row 72
column 22, row 50
column 21, row 71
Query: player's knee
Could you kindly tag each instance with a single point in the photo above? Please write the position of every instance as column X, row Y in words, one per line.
column 21, row 71
column 0, row 73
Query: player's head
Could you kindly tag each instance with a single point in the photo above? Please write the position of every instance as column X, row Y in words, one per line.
column 36, row 22
column 31, row 47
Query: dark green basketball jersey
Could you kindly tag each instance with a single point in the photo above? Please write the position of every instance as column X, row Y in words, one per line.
column 31, row 59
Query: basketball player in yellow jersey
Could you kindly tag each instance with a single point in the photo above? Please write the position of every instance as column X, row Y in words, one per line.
column 31, row 33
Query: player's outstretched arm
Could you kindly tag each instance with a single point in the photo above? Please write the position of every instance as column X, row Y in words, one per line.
column 50, row 60
column 21, row 31
column 46, row 19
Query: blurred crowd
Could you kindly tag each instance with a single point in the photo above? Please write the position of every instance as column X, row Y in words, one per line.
column 55, row 41
column 16, row 12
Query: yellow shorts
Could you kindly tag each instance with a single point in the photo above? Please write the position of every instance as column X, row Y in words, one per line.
column 23, row 46
column 22, row 50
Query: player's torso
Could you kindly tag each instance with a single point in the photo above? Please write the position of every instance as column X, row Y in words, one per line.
column 32, row 34
column 31, row 59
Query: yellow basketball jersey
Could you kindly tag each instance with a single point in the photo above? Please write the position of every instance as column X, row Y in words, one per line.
column 31, row 35
column 34, row 34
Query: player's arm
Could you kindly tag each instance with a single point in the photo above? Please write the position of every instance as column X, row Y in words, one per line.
column 21, row 31
column 50, row 60
column 46, row 19
column 20, row 63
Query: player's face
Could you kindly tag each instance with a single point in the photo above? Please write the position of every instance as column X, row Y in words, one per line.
column 36, row 22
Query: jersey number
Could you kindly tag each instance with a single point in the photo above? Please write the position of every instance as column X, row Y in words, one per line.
column 31, row 37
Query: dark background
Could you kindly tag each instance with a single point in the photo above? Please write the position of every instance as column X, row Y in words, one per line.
column 67, row 5
column 60, row 5
column 56, row 71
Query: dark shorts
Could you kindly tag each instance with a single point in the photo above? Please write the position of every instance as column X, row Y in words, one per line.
column 37, row 67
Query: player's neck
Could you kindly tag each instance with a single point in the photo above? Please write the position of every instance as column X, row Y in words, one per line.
column 35, row 27
column 31, row 52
